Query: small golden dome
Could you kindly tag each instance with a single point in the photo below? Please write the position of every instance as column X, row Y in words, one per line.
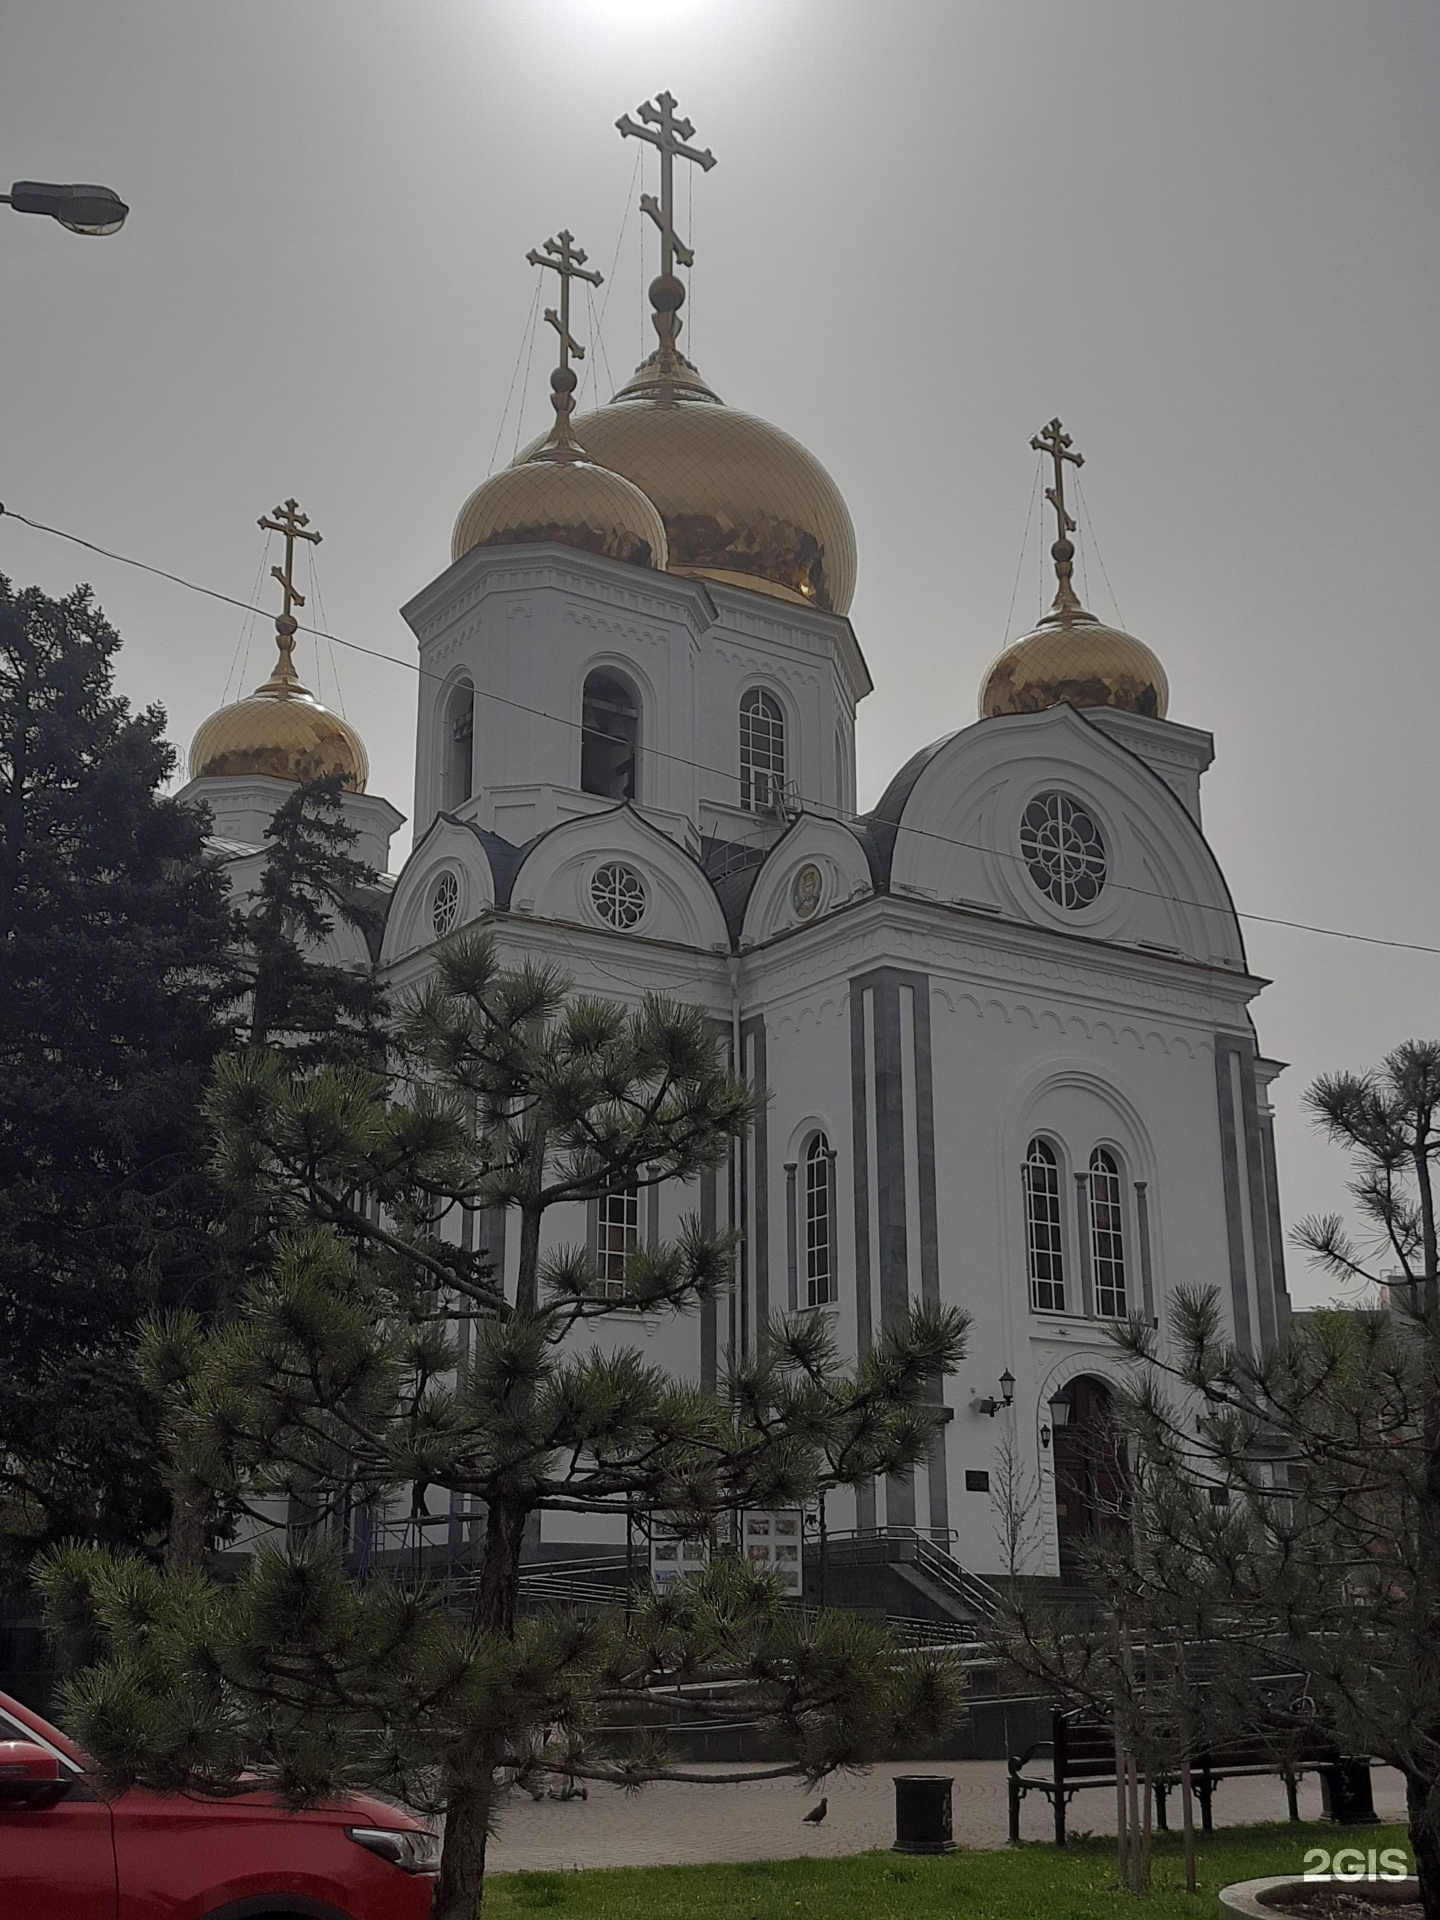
column 281, row 731
column 1073, row 659
column 741, row 501
column 571, row 501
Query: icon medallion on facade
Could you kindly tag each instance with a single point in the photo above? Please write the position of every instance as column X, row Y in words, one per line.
column 805, row 891
column 1063, row 849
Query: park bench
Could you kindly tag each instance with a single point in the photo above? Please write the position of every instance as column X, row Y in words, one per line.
column 1080, row 1753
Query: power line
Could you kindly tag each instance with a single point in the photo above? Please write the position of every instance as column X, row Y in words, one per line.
column 699, row 766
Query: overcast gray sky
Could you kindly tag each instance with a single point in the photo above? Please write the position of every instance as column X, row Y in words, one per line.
column 1205, row 235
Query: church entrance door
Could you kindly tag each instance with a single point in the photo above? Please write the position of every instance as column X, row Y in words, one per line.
column 1090, row 1478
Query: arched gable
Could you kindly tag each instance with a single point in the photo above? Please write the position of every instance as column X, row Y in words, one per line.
column 958, row 836
column 557, row 880
column 448, row 849
column 816, row 866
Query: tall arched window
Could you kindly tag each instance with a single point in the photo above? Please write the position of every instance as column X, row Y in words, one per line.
column 1107, row 1235
column 1044, row 1251
column 610, row 736
column 762, row 751
column 819, row 1235
column 617, row 1236
column 458, row 746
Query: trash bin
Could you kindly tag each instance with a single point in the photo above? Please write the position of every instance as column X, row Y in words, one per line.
column 923, row 1822
column 1346, row 1794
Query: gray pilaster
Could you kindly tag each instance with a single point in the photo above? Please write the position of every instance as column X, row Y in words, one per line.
column 792, row 1236
column 1259, row 1211
column 1226, row 1046
column 753, row 1032
column 652, row 1217
column 1277, row 1231
column 1087, row 1251
column 709, row 1309
column 834, row 1219
column 1147, row 1273
column 860, row 1163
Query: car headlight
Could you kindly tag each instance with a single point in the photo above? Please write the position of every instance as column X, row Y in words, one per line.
column 412, row 1849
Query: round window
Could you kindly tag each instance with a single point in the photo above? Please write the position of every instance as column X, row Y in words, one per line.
column 445, row 903
column 618, row 895
column 1063, row 849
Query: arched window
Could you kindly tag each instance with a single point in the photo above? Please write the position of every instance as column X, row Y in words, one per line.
column 610, row 737
column 1107, row 1235
column 1043, row 1248
column 819, row 1236
column 458, row 746
column 762, row 751
column 617, row 1237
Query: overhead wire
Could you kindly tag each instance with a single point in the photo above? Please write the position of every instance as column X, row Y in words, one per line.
column 816, row 806
column 1092, row 541
column 515, row 375
column 247, row 628
column 1020, row 562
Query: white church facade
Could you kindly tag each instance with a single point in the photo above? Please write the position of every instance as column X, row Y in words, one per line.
column 1002, row 1020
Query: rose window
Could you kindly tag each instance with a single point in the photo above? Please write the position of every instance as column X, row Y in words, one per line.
column 618, row 895
column 445, row 905
column 1063, row 850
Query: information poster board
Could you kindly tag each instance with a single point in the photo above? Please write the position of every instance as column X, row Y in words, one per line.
column 672, row 1557
column 772, row 1541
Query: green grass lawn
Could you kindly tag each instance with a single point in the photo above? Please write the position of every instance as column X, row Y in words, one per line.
column 1032, row 1882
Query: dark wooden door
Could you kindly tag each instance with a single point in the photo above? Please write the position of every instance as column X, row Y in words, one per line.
column 1090, row 1481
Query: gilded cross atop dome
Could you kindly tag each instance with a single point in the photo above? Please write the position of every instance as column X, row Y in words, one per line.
column 565, row 259
column 289, row 521
column 281, row 731
column 1054, row 440
column 1072, row 659
column 669, row 133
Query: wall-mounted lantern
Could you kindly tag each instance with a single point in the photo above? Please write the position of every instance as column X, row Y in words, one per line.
column 1007, row 1396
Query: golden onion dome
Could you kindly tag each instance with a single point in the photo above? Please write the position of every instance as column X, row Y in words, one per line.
column 1073, row 659
column 281, row 731
column 571, row 501
column 741, row 501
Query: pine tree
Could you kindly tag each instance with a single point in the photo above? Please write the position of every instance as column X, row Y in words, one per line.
column 115, row 981
column 312, row 878
column 342, row 1384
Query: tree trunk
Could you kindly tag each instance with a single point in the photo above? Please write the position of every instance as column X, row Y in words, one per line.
column 1187, row 1815
column 527, row 1279
column 1122, row 1824
column 499, row 1588
column 1421, row 1799
column 189, row 1512
column 461, row 1892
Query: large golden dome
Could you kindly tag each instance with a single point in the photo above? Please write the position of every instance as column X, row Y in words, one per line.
column 741, row 501
column 281, row 731
column 1073, row 659
column 574, row 502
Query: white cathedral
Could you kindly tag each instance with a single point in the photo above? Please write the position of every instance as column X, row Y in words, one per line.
column 1002, row 1019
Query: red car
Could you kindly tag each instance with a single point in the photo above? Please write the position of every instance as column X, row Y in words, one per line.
column 68, row 1854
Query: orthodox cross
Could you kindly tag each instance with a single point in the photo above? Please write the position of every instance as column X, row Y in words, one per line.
column 669, row 132
column 566, row 260
column 563, row 257
column 1053, row 439
column 290, row 522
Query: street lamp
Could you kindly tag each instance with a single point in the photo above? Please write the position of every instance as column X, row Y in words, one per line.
column 1007, row 1395
column 82, row 209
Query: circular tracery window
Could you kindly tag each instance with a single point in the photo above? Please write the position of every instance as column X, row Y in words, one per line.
column 445, row 905
column 618, row 895
column 1063, row 849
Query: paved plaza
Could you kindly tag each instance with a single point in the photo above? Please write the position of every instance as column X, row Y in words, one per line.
column 672, row 1825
